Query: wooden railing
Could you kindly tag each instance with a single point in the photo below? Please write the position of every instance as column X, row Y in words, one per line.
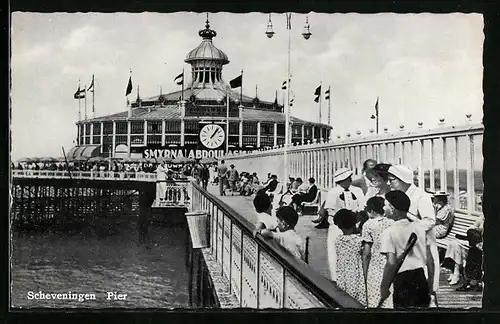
column 262, row 274
column 96, row 175
column 447, row 159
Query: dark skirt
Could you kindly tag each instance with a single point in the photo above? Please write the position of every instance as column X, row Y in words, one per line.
column 411, row 289
column 473, row 264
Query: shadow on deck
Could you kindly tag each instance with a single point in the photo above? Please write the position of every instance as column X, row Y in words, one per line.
column 447, row 296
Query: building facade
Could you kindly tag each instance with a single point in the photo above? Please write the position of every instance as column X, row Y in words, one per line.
column 193, row 122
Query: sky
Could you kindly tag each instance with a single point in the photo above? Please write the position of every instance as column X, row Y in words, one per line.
column 422, row 67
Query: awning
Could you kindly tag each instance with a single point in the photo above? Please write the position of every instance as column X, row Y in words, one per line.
column 83, row 151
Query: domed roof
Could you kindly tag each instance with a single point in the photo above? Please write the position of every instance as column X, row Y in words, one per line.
column 206, row 50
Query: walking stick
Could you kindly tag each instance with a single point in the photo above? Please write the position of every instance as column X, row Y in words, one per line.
column 409, row 245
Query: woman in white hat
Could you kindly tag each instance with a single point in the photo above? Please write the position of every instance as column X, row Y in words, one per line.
column 421, row 209
column 343, row 196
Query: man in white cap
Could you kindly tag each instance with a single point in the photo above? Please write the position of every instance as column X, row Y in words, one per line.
column 421, row 208
column 343, row 195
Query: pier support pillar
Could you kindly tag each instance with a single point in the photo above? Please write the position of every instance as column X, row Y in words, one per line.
column 146, row 199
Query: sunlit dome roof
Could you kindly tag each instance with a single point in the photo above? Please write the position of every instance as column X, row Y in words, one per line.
column 206, row 50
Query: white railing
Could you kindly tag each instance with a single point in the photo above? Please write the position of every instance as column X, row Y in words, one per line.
column 447, row 159
column 96, row 175
column 261, row 274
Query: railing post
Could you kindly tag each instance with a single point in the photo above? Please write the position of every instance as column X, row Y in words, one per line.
column 470, row 175
column 443, row 175
column 241, row 269
column 230, row 254
column 222, row 246
column 456, row 177
column 431, row 172
column 257, row 274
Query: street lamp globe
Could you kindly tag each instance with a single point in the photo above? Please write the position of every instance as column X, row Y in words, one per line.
column 307, row 32
column 269, row 30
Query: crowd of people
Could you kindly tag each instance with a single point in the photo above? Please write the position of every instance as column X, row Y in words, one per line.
column 370, row 221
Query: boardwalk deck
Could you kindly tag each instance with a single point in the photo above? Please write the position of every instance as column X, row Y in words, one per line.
column 447, row 296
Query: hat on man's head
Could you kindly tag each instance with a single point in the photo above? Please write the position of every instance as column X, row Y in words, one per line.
column 440, row 194
column 232, row 166
column 402, row 173
column 341, row 174
column 399, row 200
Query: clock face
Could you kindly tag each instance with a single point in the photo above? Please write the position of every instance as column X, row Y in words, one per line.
column 212, row 136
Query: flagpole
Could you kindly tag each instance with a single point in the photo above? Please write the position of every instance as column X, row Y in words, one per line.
column 320, row 83
column 376, row 112
column 329, row 103
column 93, row 97
column 85, row 100
column 79, row 103
column 227, row 121
column 182, row 91
column 241, row 89
column 287, row 112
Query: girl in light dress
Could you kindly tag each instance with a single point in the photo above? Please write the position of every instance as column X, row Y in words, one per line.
column 348, row 250
column 373, row 260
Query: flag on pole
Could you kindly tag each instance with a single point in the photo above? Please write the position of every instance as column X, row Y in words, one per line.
column 376, row 107
column 180, row 77
column 129, row 86
column 283, row 86
column 236, row 82
column 327, row 94
column 79, row 94
column 288, row 21
column 293, row 98
column 91, row 86
column 317, row 93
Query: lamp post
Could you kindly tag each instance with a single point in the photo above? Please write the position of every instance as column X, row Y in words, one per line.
column 306, row 34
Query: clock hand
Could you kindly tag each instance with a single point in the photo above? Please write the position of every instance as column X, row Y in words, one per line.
column 214, row 134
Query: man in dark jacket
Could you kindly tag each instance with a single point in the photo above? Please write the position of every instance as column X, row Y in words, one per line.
column 309, row 196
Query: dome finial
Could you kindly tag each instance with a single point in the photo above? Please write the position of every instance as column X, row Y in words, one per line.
column 207, row 33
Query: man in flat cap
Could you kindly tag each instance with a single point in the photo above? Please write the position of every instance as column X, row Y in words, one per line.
column 411, row 287
column 343, row 195
column 421, row 208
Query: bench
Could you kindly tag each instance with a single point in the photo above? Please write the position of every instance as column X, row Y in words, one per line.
column 312, row 208
column 461, row 224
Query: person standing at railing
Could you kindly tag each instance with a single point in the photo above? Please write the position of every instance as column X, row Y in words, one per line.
column 222, row 174
column 349, row 264
column 421, row 209
column 364, row 182
column 287, row 237
column 204, row 175
column 411, row 287
column 263, row 207
column 161, row 184
column 343, row 196
column 233, row 176
column 373, row 260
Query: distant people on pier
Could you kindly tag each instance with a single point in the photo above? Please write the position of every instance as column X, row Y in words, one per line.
column 204, row 175
column 232, row 177
column 222, row 174
column 161, row 185
column 287, row 237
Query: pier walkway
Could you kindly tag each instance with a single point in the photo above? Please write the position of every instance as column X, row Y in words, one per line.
column 447, row 296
